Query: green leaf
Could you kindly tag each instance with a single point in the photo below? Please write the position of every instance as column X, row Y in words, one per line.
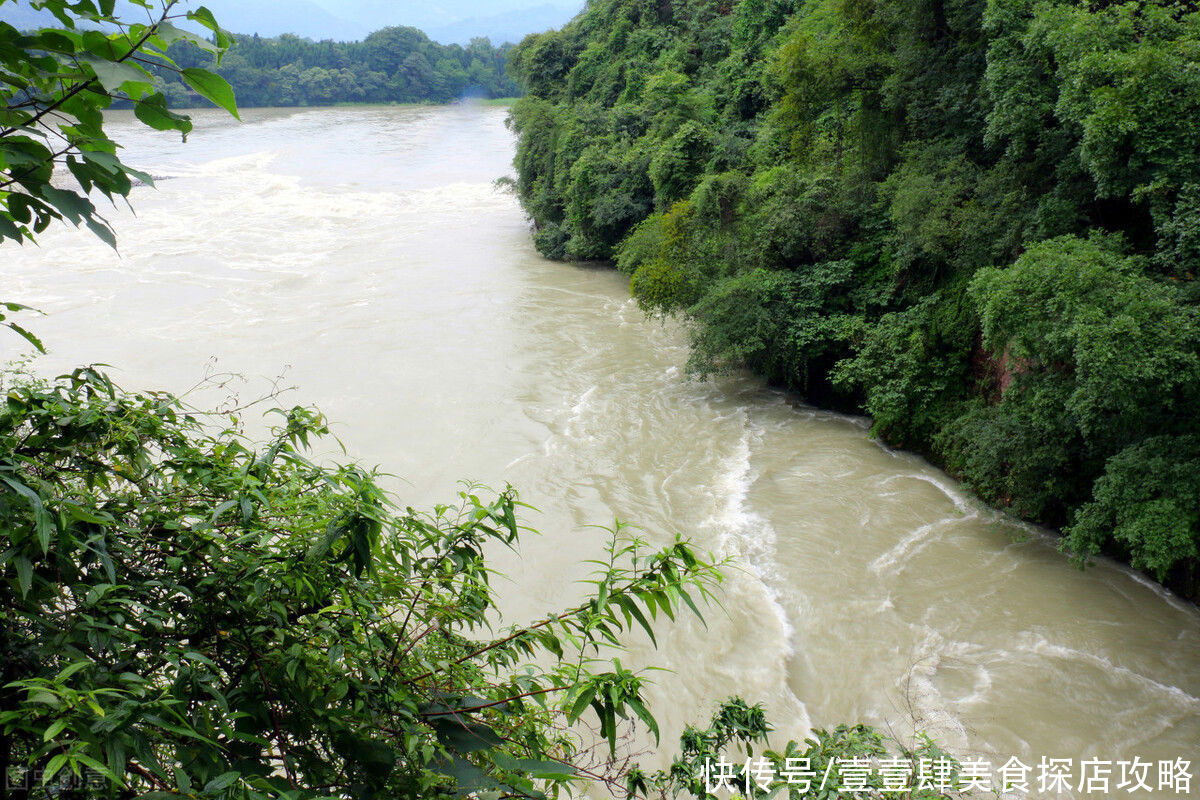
column 71, row 669
column 54, row 730
column 43, row 524
column 153, row 111
column 117, row 76
column 630, row 605
column 111, row 164
column 170, row 34
column 52, row 769
column 99, row 767
column 463, row 736
column 586, row 695
column 222, row 508
column 222, row 781
column 687, row 599
column 205, row 18
column 213, row 87
column 544, row 769
column 24, row 569
column 29, row 337
column 645, row 715
column 183, row 781
column 74, row 207
column 8, row 230
column 467, row 776
column 103, row 231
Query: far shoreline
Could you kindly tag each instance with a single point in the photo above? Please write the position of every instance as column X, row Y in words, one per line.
column 490, row 102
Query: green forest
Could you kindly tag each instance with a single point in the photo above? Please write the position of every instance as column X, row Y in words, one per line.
column 190, row 612
column 977, row 221
column 392, row 65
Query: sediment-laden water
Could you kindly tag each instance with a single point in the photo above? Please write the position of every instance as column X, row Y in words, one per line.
column 364, row 257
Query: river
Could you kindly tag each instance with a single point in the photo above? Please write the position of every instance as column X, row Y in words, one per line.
column 363, row 256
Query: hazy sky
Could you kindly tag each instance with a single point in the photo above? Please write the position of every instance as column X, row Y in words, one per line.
column 477, row 8
column 443, row 20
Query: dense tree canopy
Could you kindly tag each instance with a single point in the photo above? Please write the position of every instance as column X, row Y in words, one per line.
column 976, row 220
column 392, row 65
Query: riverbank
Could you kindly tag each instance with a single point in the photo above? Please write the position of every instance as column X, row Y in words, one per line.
column 488, row 102
column 874, row 211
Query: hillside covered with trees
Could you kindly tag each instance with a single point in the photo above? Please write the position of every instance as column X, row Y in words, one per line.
column 978, row 221
column 189, row 612
column 392, row 65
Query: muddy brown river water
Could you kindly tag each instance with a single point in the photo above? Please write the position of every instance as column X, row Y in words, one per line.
column 364, row 255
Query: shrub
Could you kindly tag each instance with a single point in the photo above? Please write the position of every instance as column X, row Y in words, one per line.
column 185, row 612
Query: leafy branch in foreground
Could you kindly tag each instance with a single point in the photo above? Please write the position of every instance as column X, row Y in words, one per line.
column 184, row 613
column 57, row 83
column 22, row 331
column 852, row 761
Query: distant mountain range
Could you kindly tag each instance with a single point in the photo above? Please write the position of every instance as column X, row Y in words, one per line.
column 446, row 21
column 512, row 26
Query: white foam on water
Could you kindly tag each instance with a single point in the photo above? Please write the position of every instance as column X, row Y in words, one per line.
column 242, row 232
column 961, row 502
column 743, row 532
column 219, row 167
column 983, row 685
column 578, row 410
column 1163, row 592
column 1041, row 646
column 935, row 714
column 920, row 538
column 517, row 460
